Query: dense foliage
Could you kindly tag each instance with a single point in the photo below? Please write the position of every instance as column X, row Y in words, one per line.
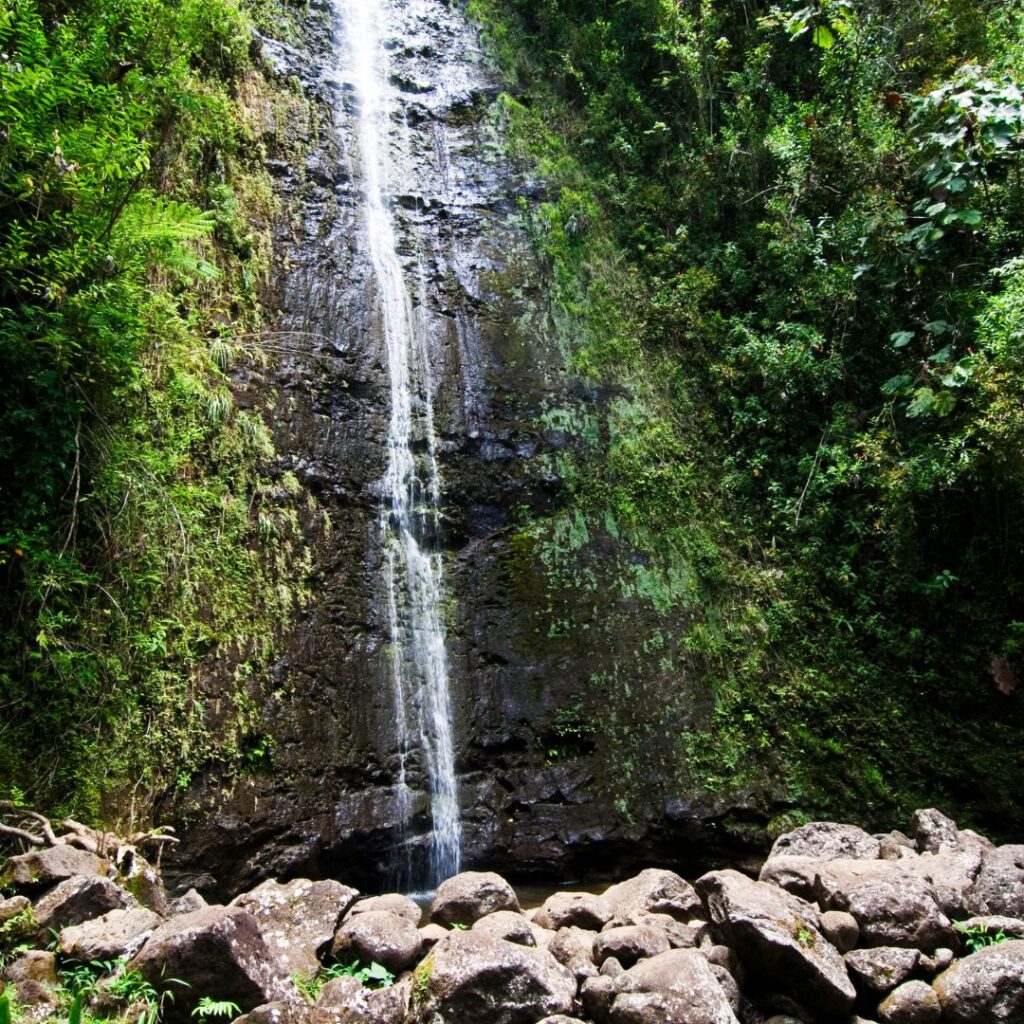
column 793, row 234
column 140, row 534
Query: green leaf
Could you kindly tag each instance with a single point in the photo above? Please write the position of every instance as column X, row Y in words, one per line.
column 901, row 338
column 823, row 37
column 944, row 403
column 968, row 216
column 924, row 400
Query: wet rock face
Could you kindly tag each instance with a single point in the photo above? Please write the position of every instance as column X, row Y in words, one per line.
column 327, row 805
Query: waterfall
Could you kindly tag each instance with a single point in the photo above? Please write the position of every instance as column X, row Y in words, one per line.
column 413, row 570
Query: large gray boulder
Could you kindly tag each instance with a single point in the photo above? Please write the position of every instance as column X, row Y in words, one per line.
column 914, row 1002
column 116, row 934
column 881, row 969
column 655, row 891
column 378, row 937
column 13, row 907
column 37, row 870
column 467, row 897
column 574, row 909
column 390, row 903
column 777, row 938
column 298, row 919
column 827, row 840
column 662, row 1008
column 987, row 986
column 999, row 887
column 952, row 877
column 218, row 952
column 841, row 929
column 682, row 973
column 80, row 898
column 470, row 977
column 798, row 875
column 893, row 905
column 629, row 944
column 934, row 832
column 574, row 948
column 508, row 925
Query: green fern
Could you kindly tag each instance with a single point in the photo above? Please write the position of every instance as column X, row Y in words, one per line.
column 208, row 1008
column 5, row 1008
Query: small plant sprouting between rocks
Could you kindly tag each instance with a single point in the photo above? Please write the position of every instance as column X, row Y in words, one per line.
column 208, row 1009
column 979, row 937
column 374, row 976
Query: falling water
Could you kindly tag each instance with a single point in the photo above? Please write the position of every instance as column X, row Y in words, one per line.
column 411, row 488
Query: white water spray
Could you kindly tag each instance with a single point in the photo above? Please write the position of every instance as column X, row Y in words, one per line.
column 411, row 487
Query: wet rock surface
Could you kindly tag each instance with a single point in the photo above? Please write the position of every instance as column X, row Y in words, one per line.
column 328, row 802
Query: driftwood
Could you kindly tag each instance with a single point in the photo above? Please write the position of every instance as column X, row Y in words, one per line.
column 34, row 829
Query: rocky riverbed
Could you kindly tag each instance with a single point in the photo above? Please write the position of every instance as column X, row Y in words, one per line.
column 839, row 926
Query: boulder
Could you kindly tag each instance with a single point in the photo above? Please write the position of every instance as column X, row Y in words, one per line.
column 598, row 994
column 508, row 925
column 293, row 1013
column 881, row 969
column 723, row 956
column 13, row 907
column 985, row 986
column 629, row 944
column 777, row 939
column 116, row 934
column 679, row 935
column 391, row 903
column 218, row 952
column 826, row 840
column 611, row 968
column 36, row 965
column 573, row 947
column 389, row 1005
column 469, row 976
column 298, row 919
column 798, row 875
column 951, row 877
column 37, row 870
column 656, row 891
column 938, row 961
column 934, row 832
column 664, row 1008
column 730, row 989
column 378, row 937
column 893, row 845
column 683, row 973
column 992, row 925
column 914, row 1002
column 841, row 929
column 574, row 909
column 186, row 903
column 542, row 936
column 467, row 897
column 893, row 905
column 345, row 991
column 79, row 899
column 560, row 1018
column 431, row 934
column 999, row 887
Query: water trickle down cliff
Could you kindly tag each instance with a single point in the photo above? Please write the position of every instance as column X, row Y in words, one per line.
column 410, row 505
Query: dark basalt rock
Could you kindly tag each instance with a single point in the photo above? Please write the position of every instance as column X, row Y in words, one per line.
column 504, row 405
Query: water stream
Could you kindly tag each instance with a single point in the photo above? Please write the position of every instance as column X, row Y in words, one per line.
column 410, row 505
